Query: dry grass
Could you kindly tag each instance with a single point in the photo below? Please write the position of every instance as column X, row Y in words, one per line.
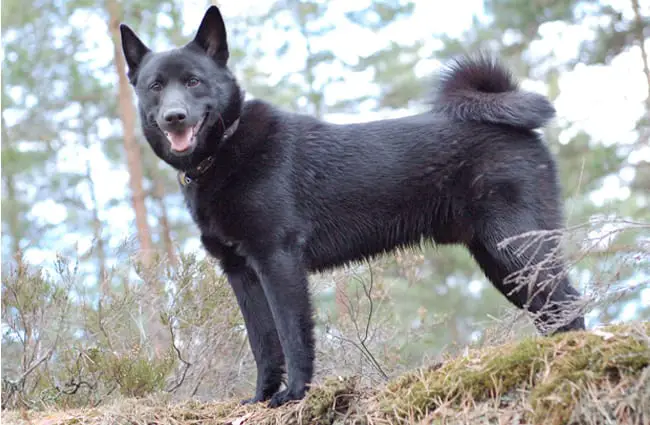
column 595, row 377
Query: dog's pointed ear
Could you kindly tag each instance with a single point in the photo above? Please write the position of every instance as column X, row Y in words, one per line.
column 211, row 36
column 134, row 49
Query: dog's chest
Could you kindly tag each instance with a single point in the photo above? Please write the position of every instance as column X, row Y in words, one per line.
column 212, row 213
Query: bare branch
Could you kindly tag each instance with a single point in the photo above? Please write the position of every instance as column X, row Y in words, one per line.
column 180, row 357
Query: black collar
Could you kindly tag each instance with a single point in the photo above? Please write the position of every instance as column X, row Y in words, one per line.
column 186, row 177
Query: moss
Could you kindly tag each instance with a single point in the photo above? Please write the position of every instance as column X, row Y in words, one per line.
column 479, row 375
column 582, row 359
column 192, row 412
column 552, row 370
column 324, row 404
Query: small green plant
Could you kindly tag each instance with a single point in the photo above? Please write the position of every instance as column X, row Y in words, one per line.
column 138, row 375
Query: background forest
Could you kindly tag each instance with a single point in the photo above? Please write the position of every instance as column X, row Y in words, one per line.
column 106, row 291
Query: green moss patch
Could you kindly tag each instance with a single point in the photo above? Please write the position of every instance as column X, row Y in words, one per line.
column 550, row 373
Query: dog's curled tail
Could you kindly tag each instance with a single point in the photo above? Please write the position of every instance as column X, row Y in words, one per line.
column 480, row 89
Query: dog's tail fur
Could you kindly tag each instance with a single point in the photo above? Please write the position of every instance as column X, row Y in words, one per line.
column 480, row 89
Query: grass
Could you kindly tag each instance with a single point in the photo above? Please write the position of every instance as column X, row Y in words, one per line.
column 595, row 377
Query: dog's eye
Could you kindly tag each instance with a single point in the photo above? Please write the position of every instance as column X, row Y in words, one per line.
column 155, row 86
column 193, row 82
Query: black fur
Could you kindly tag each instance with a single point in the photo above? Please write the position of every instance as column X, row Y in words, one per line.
column 479, row 89
column 288, row 194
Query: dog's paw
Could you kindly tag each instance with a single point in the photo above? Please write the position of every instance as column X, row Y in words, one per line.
column 285, row 396
column 256, row 399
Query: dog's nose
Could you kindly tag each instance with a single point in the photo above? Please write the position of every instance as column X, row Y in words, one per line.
column 175, row 115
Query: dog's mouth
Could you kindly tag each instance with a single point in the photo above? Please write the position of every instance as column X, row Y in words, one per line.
column 185, row 139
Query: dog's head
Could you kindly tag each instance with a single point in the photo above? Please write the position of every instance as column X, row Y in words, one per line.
column 187, row 97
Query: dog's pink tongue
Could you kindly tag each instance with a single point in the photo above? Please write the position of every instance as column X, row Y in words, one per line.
column 180, row 141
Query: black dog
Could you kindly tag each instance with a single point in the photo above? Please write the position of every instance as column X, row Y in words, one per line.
column 277, row 195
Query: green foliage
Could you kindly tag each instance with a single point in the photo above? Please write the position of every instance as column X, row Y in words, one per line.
column 139, row 376
column 70, row 348
column 381, row 13
column 526, row 17
column 615, row 36
column 394, row 72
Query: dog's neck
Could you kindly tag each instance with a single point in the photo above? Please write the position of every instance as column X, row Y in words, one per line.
column 188, row 176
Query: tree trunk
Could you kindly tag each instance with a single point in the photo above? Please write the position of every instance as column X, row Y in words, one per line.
column 156, row 331
column 166, row 234
column 127, row 116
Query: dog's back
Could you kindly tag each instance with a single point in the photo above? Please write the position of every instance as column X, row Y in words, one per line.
column 383, row 184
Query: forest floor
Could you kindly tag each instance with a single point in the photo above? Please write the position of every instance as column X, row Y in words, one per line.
column 596, row 377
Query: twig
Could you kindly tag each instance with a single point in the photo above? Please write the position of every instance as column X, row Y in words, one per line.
column 16, row 386
column 34, row 366
column 100, row 322
column 180, row 357
column 361, row 345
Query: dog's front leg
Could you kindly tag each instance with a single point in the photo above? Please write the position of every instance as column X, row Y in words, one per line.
column 284, row 279
column 260, row 326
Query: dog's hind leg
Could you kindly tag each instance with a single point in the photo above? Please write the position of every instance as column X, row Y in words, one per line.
column 528, row 270
column 260, row 326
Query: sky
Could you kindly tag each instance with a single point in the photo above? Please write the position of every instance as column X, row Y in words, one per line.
column 604, row 101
